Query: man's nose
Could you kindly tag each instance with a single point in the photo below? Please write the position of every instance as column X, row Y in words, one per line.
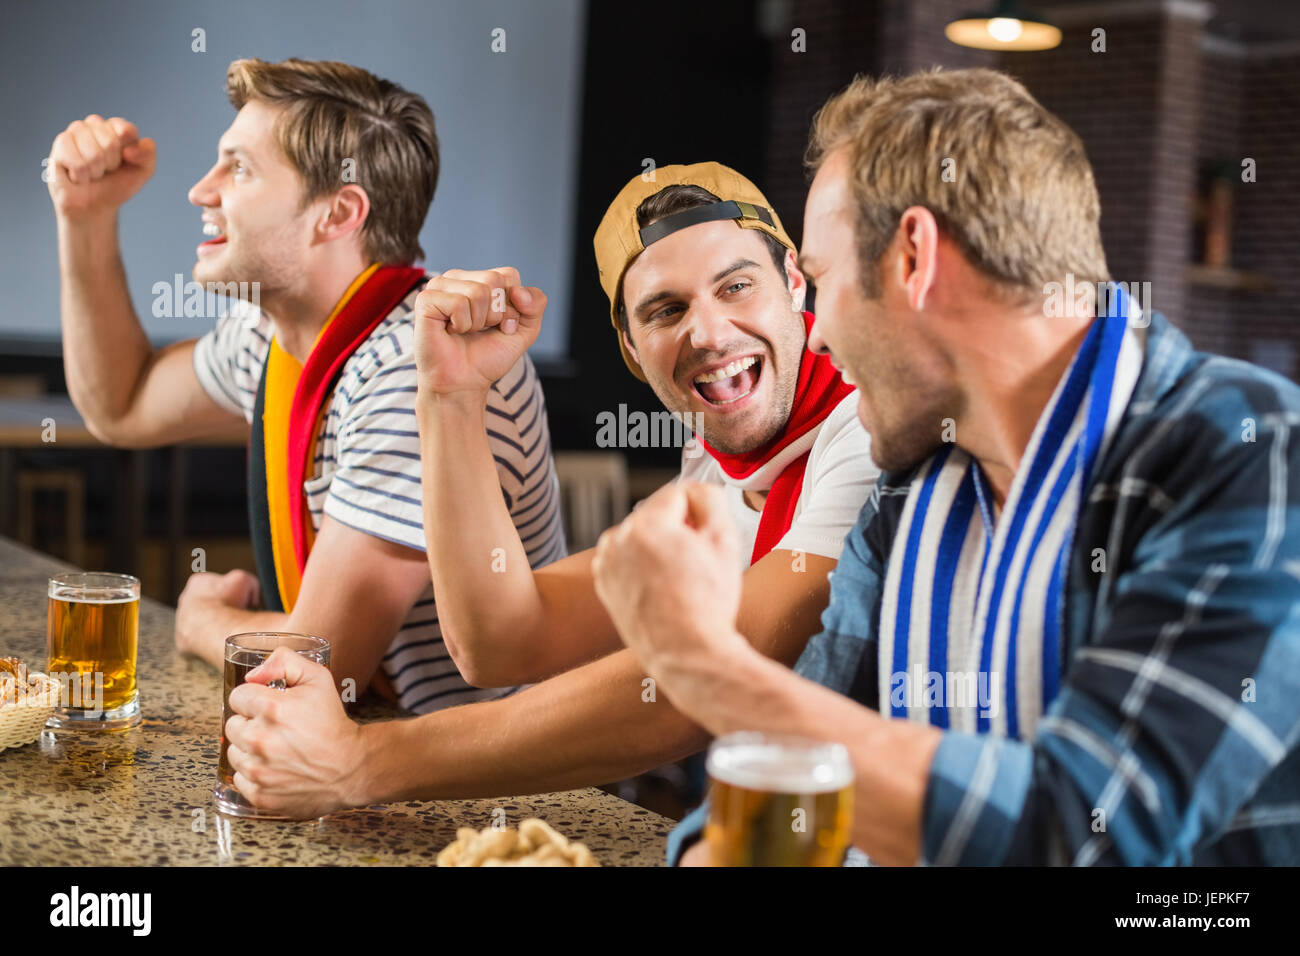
column 710, row 327
column 204, row 192
column 816, row 344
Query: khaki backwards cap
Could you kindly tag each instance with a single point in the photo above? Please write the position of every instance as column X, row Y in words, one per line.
column 619, row 239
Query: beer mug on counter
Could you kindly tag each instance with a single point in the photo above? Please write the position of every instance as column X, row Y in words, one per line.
column 243, row 653
column 778, row 800
column 92, row 640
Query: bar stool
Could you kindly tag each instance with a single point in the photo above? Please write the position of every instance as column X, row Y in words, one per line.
column 71, row 483
column 594, row 492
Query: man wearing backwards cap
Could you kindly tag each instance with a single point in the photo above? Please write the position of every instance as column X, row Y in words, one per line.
column 707, row 301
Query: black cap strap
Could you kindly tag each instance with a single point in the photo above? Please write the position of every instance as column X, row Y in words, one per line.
column 713, row 212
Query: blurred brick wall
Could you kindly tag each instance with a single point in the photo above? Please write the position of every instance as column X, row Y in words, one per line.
column 911, row 37
column 843, row 38
column 1150, row 110
column 1135, row 107
column 840, row 38
column 1267, row 228
column 1210, row 311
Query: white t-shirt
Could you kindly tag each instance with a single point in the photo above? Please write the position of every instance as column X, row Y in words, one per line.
column 366, row 473
column 837, row 481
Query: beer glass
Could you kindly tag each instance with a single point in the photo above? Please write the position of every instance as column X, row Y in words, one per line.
column 243, row 653
column 92, row 638
column 778, row 800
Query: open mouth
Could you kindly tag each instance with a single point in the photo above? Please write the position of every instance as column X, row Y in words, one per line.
column 729, row 383
column 845, row 376
column 216, row 233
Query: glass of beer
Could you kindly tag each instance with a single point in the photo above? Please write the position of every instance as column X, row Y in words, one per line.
column 243, row 653
column 778, row 800
column 91, row 640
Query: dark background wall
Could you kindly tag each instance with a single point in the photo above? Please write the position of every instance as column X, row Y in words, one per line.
column 1180, row 86
column 1176, row 88
column 683, row 87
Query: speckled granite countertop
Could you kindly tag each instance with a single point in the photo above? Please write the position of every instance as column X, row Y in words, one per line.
column 144, row 796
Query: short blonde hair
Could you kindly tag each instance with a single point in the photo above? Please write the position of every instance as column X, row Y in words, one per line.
column 1018, row 199
column 335, row 112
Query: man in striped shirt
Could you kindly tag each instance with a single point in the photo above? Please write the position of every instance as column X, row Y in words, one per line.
column 1076, row 587
column 281, row 220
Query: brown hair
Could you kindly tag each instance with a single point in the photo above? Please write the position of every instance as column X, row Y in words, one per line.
column 674, row 199
column 1019, row 201
column 335, row 112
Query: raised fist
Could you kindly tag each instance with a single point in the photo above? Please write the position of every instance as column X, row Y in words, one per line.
column 96, row 165
column 472, row 327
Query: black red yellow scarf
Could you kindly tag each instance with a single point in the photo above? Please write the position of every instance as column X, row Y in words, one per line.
column 287, row 415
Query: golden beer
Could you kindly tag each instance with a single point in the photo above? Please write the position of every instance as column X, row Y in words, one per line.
column 778, row 800
column 244, row 652
column 92, row 640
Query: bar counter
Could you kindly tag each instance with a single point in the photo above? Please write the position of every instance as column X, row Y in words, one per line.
column 143, row 797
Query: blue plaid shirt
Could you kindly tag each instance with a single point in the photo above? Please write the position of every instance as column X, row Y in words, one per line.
column 1175, row 738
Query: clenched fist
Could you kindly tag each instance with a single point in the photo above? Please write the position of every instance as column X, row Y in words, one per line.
column 472, row 327
column 294, row 750
column 97, row 164
column 202, row 591
column 669, row 575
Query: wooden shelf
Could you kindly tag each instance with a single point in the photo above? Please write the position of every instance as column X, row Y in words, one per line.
column 1224, row 277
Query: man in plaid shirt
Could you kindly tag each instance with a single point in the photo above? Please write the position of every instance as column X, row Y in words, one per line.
column 1076, row 587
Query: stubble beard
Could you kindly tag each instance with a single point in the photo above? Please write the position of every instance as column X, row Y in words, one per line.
column 902, row 447
column 269, row 273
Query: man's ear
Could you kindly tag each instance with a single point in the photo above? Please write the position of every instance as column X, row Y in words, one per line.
column 795, row 282
column 918, row 263
column 345, row 213
column 631, row 348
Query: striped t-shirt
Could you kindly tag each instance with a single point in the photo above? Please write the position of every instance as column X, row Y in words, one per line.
column 366, row 473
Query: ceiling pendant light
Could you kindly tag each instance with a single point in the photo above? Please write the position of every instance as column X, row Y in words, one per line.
column 1006, row 27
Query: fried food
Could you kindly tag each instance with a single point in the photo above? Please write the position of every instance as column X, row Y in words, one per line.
column 535, row 843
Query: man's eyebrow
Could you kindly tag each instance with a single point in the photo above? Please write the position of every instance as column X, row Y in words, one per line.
column 651, row 300
column 231, row 151
column 663, row 294
column 802, row 262
column 734, row 267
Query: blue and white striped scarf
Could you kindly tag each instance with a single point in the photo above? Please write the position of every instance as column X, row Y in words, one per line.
column 967, row 600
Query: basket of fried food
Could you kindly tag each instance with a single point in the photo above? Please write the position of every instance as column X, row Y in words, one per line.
column 533, row 844
column 27, row 698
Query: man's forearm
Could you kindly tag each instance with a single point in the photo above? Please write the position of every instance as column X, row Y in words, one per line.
column 104, row 347
column 489, row 604
column 589, row 726
column 212, row 622
column 891, row 759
